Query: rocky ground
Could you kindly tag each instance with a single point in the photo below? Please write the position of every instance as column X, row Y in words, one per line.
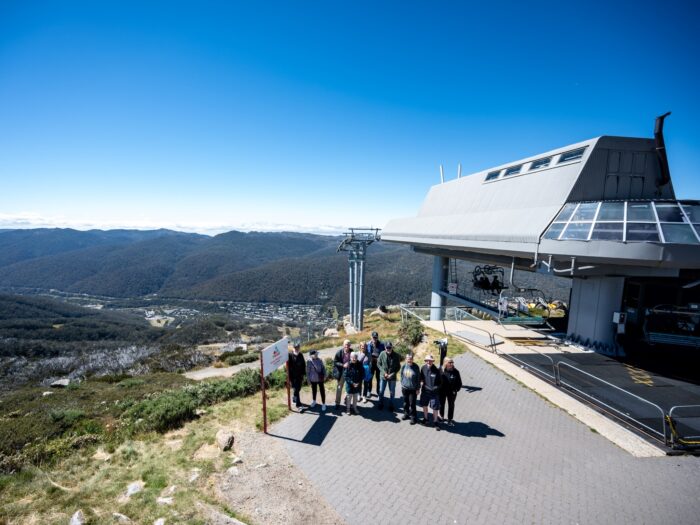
column 267, row 488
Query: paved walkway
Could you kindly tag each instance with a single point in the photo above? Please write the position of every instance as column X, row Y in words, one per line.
column 512, row 458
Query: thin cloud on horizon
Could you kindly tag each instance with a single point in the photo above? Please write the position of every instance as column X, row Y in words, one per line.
column 30, row 221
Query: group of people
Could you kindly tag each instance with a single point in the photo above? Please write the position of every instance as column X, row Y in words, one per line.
column 377, row 362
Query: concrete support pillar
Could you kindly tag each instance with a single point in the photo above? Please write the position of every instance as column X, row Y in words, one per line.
column 351, row 288
column 437, row 301
column 593, row 302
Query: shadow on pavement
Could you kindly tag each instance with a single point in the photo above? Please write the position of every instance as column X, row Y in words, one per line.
column 472, row 429
column 471, row 389
column 318, row 431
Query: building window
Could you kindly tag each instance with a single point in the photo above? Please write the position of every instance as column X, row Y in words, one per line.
column 640, row 211
column 679, row 234
column 611, row 211
column 513, row 170
column 540, row 163
column 642, row 231
column 493, row 175
column 608, row 231
column 577, row 231
column 669, row 212
column 571, row 155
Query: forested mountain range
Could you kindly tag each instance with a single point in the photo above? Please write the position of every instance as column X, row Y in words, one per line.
column 255, row 266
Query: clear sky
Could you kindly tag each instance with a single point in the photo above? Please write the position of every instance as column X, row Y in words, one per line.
column 315, row 116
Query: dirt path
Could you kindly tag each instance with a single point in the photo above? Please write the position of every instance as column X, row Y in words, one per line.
column 266, row 487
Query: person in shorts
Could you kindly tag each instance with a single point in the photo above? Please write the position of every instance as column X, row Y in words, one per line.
column 430, row 378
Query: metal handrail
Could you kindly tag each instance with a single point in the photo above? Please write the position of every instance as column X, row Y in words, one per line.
column 626, row 416
column 670, row 415
column 525, row 363
column 492, row 337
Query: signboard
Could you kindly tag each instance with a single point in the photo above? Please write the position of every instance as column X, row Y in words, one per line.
column 274, row 356
column 452, row 288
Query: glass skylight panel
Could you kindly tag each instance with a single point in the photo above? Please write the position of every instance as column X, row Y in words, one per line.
column 540, row 163
column 566, row 211
column 611, row 211
column 492, row 175
column 513, row 170
column 571, row 155
column 669, row 212
column 642, row 231
column 693, row 212
column 608, row 231
column 577, row 231
column 585, row 212
column 554, row 230
column 640, row 211
column 679, row 234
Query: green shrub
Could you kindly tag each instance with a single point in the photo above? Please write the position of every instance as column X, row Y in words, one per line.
column 411, row 331
column 66, row 417
column 233, row 359
column 131, row 382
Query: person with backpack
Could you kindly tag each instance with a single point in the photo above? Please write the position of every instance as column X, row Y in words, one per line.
column 389, row 364
column 316, row 374
column 430, row 378
column 297, row 371
column 450, row 385
column 410, row 383
column 375, row 347
column 340, row 364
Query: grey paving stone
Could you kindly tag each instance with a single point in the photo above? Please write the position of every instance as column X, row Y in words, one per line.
column 512, row 458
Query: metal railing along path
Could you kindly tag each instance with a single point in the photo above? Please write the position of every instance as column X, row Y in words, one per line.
column 622, row 415
column 683, row 440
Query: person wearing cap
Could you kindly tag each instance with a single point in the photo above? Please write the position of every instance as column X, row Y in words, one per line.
column 429, row 397
column 375, row 347
column 297, row 371
column 410, row 383
column 389, row 364
column 340, row 364
column 451, row 384
column 316, row 374
column 354, row 374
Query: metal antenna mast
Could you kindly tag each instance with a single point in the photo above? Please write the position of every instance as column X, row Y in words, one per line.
column 355, row 243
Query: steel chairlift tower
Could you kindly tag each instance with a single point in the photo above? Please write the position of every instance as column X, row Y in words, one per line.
column 355, row 243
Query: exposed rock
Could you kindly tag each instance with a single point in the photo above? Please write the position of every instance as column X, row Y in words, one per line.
column 101, row 455
column 61, row 383
column 121, row 518
column 131, row 489
column 78, row 518
column 48, row 393
column 350, row 329
column 215, row 517
column 200, row 412
column 331, row 332
column 378, row 313
column 224, row 439
column 159, row 521
column 232, row 471
column 169, row 491
column 206, row 451
column 165, row 501
column 383, row 309
column 194, row 475
column 261, row 465
column 236, row 461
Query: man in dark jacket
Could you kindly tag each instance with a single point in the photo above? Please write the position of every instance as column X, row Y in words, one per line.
column 340, row 364
column 410, row 383
column 297, row 371
column 389, row 364
column 430, row 394
column 374, row 348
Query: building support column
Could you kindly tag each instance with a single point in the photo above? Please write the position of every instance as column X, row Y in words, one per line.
column 437, row 301
column 593, row 302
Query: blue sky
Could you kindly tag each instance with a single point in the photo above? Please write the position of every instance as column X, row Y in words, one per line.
column 316, row 116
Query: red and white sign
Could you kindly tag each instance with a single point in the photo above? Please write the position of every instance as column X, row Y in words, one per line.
column 274, row 356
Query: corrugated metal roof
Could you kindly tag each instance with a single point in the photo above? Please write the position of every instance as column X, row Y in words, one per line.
column 513, row 209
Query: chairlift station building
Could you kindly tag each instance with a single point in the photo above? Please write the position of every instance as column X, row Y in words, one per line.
column 603, row 212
